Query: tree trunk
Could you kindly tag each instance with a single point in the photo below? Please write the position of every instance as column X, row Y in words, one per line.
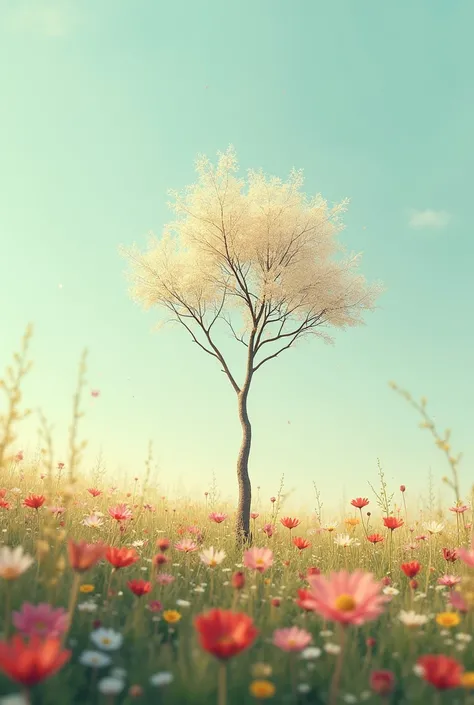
column 245, row 489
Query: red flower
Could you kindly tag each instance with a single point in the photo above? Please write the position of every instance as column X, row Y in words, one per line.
column 413, row 584
column 360, row 502
column 121, row 557
column 441, row 671
column 34, row 501
column 375, row 538
column 163, row 544
column 382, row 682
column 313, row 571
column 83, row 555
column 160, row 559
column 139, row 587
column 450, row 554
column 303, row 597
column 4, row 504
column 3, row 492
column 30, row 662
column 155, row 606
column 94, row 492
column 224, row 633
column 238, row 580
column 301, row 543
column 411, row 569
column 392, row 523
column 275, row 601
column 289, row 522
column 402, row 488
column 370, row 642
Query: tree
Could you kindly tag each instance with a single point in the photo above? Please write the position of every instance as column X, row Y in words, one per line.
column 259, row 253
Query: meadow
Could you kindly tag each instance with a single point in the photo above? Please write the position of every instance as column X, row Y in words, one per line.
column 118, row 594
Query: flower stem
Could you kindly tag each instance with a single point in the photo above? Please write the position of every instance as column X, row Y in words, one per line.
column 336, row 679
column 72, row 603
column 222, row 685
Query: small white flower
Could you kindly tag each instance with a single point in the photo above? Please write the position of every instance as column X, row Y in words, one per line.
column 163, row 678
column 138, row 543
column 412, row 619
column 13, row 562
column 365, row 695
column 460, row 647
column 14, row 699
column 461, row 636
column 183, row 603
column 303, row 688
column 326, row 632
column 349, row 698
column 310, row 653
column 332, row 648
column 389, row 590
column 433, row 527
column 344, row 540
column 199, row 588
column 118, row 673
column 94, row 659
column 110, row 686
column 418, row 670
column 107, row 639
column 87, row 606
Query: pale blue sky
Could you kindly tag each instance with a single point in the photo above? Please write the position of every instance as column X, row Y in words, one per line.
column 105, row 107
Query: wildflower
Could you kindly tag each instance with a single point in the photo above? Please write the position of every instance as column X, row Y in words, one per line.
column 163, row 544
column 135, row 691
column 162, row 678
column 238, row 580
column 392, row 523
column 290, row 523
column 183, row 603
column 171, row 616
column 155, row 606
column 375, row 538
column 224, row 633
column 94, row 491
column 402, row 488
column 160, row 559
column 450, row 554
column 87, row 606
column 107, row 639
column 389, row 590
column 467, row 556
column 349, row 598
column 34, row 501
column 254, row 515
column 411, row 569
column 352, row 522
column 344, row 541
column 261, row 670
column 95, row 659
column 449, row 580
column 110, row 686
column 291, row 639
column 268, row 530
column 121, row 557
column 262, row 689
column 448, row 619
column 433, row 527
column 310, row 653
column 259, row 559
column 13, row 562
column 459, row 508
column 273, row 500
column 212, row 557
column 139, row 587
column 275, row 601
column 164, row 579
column 4, row 504
column 93, row 521
column 30, row 662
column 186, row 546
column 467, row 680
column 217, row 517
column 331, row 526
column 301, row 543
column 360, row 502
column 41, row 620
column 382, row 682
column 412, row 619
column 86, row 588
column 458, row 602
column 83, row 555
column 443, row 672
column 332, row 649
column 120, row 512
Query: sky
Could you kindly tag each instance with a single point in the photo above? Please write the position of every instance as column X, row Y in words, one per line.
column 105, row 107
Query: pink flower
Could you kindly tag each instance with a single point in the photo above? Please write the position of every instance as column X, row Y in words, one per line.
column 57, row 511
column 467, row 555
column 95, row 393
column 258, row 559
column 254, row 515
column 291, row 639
column 186, row 546
column 457, row 601
column 218, row 517
column 449, row 580
column 40, row 620
column 164, row 579
column 268, row 530
column 120, row 512
column 348, row 598
column 459, row 509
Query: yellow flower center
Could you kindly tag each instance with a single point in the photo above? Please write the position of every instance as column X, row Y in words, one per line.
column 260, row 562
column 467, row 680
column 212, row 563
column 105, row 640
column 345, row 603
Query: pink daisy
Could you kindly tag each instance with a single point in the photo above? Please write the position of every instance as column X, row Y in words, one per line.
column 40, row 620
column 291, row 639
column 258, row 559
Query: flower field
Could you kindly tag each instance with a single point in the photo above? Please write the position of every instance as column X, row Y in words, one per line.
column 119, row 594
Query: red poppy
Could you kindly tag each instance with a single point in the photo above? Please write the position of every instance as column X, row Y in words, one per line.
column 238, row 580
column 139, row 587
column 224, row 633
column 30, row 662
column 411, row 569
column 289, row 522
column 360, row 502
column 313, row 570
column 121, row 557
column 160, row 559
column 94, row 492
column 382, row 682
column 34, row 501
column 83, row 555
column 392, row 523
column 163, row 544
column 4, row 504
column 301, row 543
column 303, row 596
column 450, row 554
column 441, row 671
column 275, row 601
column 375, row 538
